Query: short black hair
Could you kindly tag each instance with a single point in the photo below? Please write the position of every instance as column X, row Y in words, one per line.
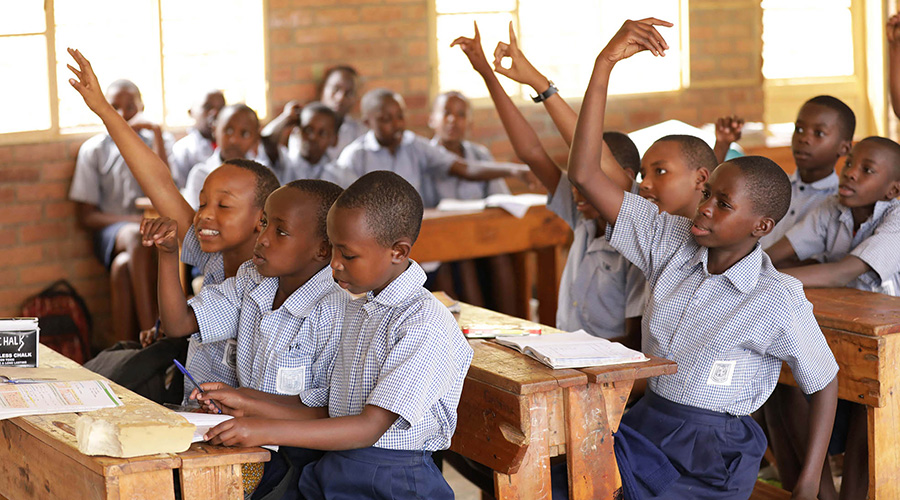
column 766, row 184
column 695, row 152
column 393, row 207
column 374, row 99
column 266, row 182
column 846, row 117
column 326, row 193
column 340, row 68
column 892, row 148
column 232, row 109
column 123, row 83
column 623, row 150
column 317, row 107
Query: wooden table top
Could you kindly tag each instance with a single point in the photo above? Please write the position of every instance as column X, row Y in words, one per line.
column 856, row 311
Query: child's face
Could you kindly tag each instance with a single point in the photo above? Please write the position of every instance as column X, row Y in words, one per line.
column 725, row 217
column 668, row 181
column 237, row 135
column 339, row 92
column 126, row 102
column 868, row 176
column 228, row 216
column 387, row 122
column 204, row 113
column 287, row 244
column 318, row 133
column 817, row 142
column 358, row 262
column 451, row 120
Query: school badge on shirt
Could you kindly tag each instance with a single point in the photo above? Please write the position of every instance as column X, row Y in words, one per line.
column 721, row 373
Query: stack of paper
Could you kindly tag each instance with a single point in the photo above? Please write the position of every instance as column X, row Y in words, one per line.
column 517, row 205
column 573, row 350
column 206, row 421
column 18, row 400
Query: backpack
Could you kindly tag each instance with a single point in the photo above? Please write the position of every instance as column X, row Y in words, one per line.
column 64, row 320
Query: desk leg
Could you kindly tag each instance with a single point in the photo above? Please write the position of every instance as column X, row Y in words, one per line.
column 593, row 413
column 150, row 485
column 884, row 429
column 532, row 480
column 548, row 276
column 203, row 483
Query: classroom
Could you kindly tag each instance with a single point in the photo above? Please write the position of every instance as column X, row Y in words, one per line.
column 321, row 88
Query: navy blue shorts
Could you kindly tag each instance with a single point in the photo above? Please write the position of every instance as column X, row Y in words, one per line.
column 374, row 473
column 717, row 454
column 105, row 242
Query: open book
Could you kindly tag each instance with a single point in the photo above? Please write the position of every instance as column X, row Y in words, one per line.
column 573, row 350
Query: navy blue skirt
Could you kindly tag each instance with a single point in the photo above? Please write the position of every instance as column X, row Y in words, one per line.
column 374, row 473
column 717, row 454
column 105, row 242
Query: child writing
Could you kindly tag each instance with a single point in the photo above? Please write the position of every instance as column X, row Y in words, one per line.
column 216, row 239
column 105, row 192
column 855, row 232
column 318, row 132
column 396, row 380
column 389, row 146
column 199, row 143
column 716, row 305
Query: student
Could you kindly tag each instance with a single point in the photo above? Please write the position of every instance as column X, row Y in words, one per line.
column 596, row 292
column 318, row 132
column 397, row 378
column 198, row 144
column 716, row 306
column 283, row 307
column 216, row 239
column 105, row 193
column 855, row 232
column 389, row 146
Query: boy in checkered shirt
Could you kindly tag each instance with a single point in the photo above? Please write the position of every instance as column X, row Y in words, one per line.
column 396, row 381
column 717, row 306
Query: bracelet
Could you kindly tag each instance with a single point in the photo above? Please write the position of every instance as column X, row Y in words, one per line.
column 543, row 96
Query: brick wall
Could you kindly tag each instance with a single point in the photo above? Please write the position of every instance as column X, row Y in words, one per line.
column 390, row 43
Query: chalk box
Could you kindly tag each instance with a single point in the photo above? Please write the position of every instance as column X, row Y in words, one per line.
column 19, row 339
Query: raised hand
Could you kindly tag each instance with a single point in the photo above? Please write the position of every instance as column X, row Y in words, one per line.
column 161, row 232
column 86, row 83
column 728, row 129
column 634, row 37
column 471, row 47
column 520, row 69
column 893, row 30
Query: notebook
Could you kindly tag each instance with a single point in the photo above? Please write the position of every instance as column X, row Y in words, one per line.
column 573, row 350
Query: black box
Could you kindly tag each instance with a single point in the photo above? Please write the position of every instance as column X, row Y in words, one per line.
column 19, row 339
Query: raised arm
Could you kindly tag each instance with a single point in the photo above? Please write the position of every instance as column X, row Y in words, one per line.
column 148, row 168
column 585, row 158
column 289, row 118
column 830, row 274
column 728, row 130
column 893, row 38
column 177, row 318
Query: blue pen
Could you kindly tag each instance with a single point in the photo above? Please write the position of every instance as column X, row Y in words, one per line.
column 188, row 375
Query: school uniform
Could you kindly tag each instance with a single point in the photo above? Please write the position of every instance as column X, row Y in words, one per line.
column 102, row 178
column 190, row 150
column 729, row 334
column 804, row 198
column 414, row 160
column 448, row 186
column 599, row 288
column 201, row 171
column 348, row 132
column 212, row 361
column 828, row 231
column 300, row 168
column 402, row 351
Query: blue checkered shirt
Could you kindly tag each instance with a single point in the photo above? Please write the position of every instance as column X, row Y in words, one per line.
column 284, row 351
column 206, row 362
column 402, row 351
column 599, row 288
column 828, row 231
column 728, row 332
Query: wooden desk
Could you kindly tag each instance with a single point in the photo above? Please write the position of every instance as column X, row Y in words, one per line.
column 40, row 459
column 862, row 330
column 515, row 413
column 450, row 236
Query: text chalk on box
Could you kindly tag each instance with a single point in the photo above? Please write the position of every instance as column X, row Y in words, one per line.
column 19, row 339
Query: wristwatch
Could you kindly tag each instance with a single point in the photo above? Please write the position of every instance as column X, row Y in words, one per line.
column 543, row 96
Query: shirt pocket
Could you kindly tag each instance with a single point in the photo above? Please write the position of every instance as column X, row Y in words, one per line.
column 291, row 369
